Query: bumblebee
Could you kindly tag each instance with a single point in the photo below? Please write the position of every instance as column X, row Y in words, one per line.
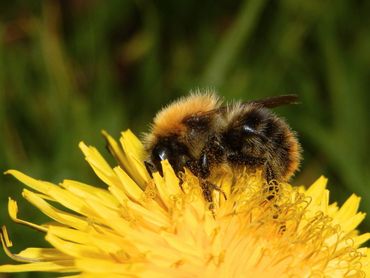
column 202, row 133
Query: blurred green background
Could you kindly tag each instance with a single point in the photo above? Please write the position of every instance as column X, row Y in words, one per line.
column 69, row 69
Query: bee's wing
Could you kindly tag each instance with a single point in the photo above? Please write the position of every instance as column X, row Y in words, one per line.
column 273, row 102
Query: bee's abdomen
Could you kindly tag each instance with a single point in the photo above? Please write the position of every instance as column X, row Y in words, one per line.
column 284, row 149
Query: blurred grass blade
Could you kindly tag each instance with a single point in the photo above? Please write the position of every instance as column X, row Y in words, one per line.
column 229, row 48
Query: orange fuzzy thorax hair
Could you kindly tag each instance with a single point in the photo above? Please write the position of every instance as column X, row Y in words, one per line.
column 169, row 120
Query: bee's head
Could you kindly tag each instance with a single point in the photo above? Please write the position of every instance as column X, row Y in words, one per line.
column 174, row 127
column 171, row 149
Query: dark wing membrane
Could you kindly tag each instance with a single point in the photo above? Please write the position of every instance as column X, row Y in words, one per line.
column 273, row 102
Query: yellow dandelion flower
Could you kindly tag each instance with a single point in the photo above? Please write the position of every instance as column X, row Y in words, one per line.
column 160, row 227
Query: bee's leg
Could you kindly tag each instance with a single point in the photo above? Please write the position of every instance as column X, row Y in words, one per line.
column 207, row 191
column 212, row 154
column 207, row 188
column 241, row 159
column 269, row 173
column 273, row 187
column 272, row 191
column 193, row 166
column 217, row 188
column 150, row 167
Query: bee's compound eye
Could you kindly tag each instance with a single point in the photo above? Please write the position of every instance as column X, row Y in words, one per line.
column 161, row 153
column 171, row 149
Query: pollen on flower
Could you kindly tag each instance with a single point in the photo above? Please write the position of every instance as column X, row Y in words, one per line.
column 163, row 227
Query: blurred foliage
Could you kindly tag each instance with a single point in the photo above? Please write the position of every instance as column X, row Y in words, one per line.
column 69, row 69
